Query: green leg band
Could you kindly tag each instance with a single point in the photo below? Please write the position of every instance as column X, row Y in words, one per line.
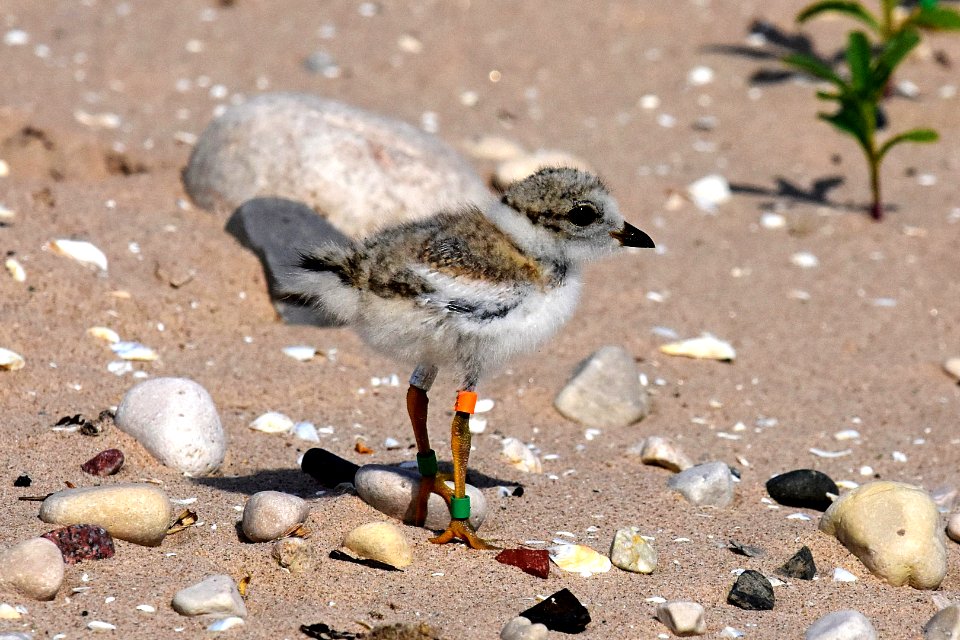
column 427, row 463
column 460, row 508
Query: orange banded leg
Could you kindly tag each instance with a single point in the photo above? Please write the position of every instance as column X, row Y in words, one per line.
column 459, row 527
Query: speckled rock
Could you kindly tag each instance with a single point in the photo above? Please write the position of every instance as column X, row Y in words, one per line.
column 392, row 491
column 682, row 618
column 522, row 629
column 176, row 421
column 705, row 484
column 216, row 595
column 841, row 625
column 631, row 552
column 604, row 391
column 381, row 541
column 359, row 169
column 269, row 515
column 894, row 529
column 944, row 625
column 33, row 568
column 133, row 512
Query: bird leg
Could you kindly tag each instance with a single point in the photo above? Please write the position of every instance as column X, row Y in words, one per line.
column 417, row 403
column 460, row 527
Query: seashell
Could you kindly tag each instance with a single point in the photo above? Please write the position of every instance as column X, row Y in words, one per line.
column 805, row 260
column 11, row 360
column 104, row 333
column 706, row 347
column 134, row 351
column 478, row 425
column 519, row 456
column 16, row 269
column 272, row 422
column 306, row 431
column 483, row 405
column 709, row 192
column 577, row 558
column 302, row 353
column 79, row 250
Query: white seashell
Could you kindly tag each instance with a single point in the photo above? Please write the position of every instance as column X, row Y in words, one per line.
column 146, row 608
column 805, row 260
column 119, row 367
column 699, row 76
column 15, row 269
column 128, row 350
column 952, row 366
column 79, row 250
column 11, row 360
column 847, row 434
column 706, row 347
column 302, row 353
column 306, row 431
column 104, row 333
column 577, row 558
column 104, row 120
column 820, row 453
column 709, row 192
column 483, row 405
column 8, row 612
column 100, row 625
column 842, row 575
column 272, row 422
column 225, row 623
column 770, row 220
column 478, row 425
column 519, row 456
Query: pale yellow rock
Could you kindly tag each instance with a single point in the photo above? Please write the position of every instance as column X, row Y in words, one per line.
column 952, row 366
column 134, row 512
column 380, row 541
column 894, row 529
column 33, row 568
column 577, row 558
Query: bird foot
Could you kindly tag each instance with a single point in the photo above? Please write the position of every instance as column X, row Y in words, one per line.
column 430, row 484
column 462, row 530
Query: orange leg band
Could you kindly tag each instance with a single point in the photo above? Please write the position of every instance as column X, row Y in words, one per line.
column 466, row 402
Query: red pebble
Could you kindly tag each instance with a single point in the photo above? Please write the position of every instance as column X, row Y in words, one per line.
column 82, row 542
column 105, row 463
column 536, row 562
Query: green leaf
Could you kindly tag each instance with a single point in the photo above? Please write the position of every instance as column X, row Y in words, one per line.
column 851, row 9
column 826, row 95
column 849, row 121
column 914, row 135
column 939, row 18
column 814, row 67
column 858, row 59
column 895, row 50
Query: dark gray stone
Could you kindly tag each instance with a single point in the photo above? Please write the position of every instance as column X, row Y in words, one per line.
column 560, row 612
column 277, row 231
column 803, row 488
column 800, row 565
column 752, row 591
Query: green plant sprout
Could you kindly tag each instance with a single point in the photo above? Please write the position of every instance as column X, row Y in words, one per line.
column 870, row 68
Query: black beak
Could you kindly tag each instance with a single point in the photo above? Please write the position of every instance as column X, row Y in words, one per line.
column 630, row 236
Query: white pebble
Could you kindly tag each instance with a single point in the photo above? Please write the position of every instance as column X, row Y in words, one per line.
column 100, row 625
column 302, row 353
column 272, row 422
column 847, row 434
column 899, row 456
column 79, row 250
column 709, row 192
column 484, row 405
column 16, row 38
column 804, row 260
column 478, row 425
column 770, row 220
column 649, row 102
column 699, row 76
column 842, row 575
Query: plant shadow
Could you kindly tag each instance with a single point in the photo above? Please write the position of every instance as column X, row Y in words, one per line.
column 818, row 193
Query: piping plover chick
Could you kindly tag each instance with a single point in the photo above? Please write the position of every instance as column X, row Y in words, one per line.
column 468, row 289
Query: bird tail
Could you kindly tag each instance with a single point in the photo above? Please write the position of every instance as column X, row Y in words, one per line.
column 325, row 276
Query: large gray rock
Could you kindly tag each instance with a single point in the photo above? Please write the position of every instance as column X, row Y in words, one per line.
column 945, row 625
column 176, row 421
column 705, row 484
column 842, row 625
column 33, row 568
column 359, row 169
column 605, row 391
column 216, row 595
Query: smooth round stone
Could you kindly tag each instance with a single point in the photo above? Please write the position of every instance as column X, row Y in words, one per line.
column 841, row 625
column 517, row 168
column 360, row 169
column 803, row 488
column 269, row 515
column 381, row 541
column 708, row 484
column 631, row 552
column 216, row 595
column 604, row 391
column 894, row 529
column 393, row 491
column 521, row 628
column 664, row 452
column 138, row 513
column 682, row 618
column 176, row 421
column 944, row 625
column 953, row 527
column 33, row 568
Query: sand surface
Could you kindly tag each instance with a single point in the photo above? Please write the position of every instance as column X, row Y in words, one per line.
column 863, row 351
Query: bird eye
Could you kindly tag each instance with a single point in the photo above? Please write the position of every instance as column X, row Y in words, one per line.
column 583, row 214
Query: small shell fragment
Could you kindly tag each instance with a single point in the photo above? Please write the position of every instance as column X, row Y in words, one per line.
column 706, row 347
column 104, row 333
column 8, row 612
column 272, row 422
column 805, row 260
column 577, row 558
column 100, row 625
column 709, row 192
column 820, row 453
column 79, row 250
column 15, row 269
column 11, row 360
column 302, row 353
column 519, row 456
column 128, row 350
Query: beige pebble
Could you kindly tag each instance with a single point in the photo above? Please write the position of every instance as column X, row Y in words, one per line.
column 269, row 515
column 664, row 452
column 952, row 366
column 682, row 618
column 953, row 527
column 138, row 513
column 380, row 541
column 33, row 568
column 894, row 529
column 521, row 628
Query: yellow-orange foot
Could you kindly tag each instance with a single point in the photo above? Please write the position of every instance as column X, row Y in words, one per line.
column 436, row 484
column 461, row 530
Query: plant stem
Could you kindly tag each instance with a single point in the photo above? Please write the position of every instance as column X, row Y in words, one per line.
column 876, row 209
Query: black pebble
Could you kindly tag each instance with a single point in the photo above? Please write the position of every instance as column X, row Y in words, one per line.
column 321, row 631
column 327, row 468
column 22, row 481
column 800, row 565
column 560, row 612
column 752, row 591
column 804, row 488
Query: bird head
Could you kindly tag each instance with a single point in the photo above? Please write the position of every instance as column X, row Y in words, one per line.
column 574, row 212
